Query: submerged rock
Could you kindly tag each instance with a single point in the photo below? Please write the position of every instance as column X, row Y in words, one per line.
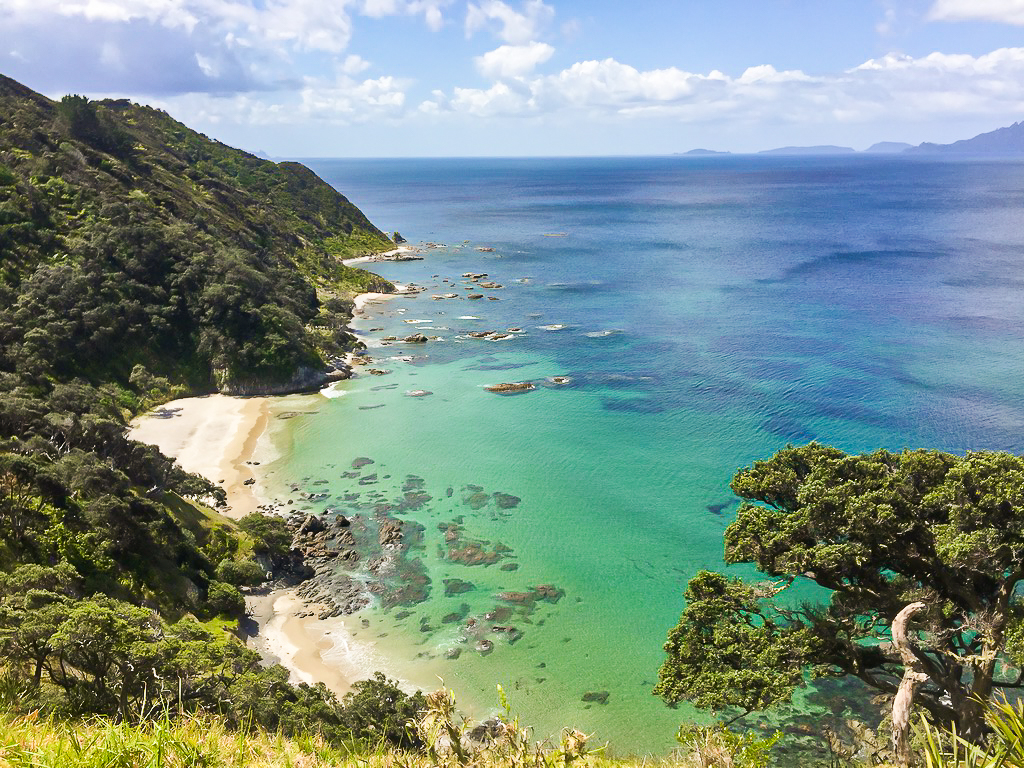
column 601, row 697
column 506, row 500
column 457, row 587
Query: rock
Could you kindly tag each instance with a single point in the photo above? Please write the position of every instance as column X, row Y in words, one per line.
column 485, row 646
column 360, row 462
column 378, row 371
column 506, row 500
column 456, row 587
column 478, row 500
column 390, row 534
column 311, row 525
column 475, row 296
column 418, row 393
column 453, row 653
column 416, row 338
column 397, row 238
column 511, row 387
column 601, row 697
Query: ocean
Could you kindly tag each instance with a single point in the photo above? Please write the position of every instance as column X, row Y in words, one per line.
column 706, row 311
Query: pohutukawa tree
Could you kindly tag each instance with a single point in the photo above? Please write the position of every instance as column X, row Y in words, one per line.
column 880, row 531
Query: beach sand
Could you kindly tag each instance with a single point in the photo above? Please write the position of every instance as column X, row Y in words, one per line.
column 213, row 436
column 216, row 436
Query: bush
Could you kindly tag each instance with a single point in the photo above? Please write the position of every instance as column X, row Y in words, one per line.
column 224, row 600
column 270, row 534
column 245, row 573
column 378, row 710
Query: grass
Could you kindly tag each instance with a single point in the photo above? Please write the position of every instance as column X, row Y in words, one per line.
column 31, row 741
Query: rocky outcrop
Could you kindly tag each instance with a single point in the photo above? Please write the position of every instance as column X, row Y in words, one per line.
column 305, row 379
column 511, row 387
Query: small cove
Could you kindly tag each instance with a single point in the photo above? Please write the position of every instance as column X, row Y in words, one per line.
column 751, row 303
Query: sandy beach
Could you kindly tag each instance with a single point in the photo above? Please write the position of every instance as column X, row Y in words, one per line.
column 401, row 253
column 216, row 436
column 213, row 436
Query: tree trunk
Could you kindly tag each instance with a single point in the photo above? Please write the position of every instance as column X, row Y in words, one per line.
column 914, row 677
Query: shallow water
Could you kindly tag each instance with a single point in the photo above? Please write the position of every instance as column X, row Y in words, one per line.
column 749, row 302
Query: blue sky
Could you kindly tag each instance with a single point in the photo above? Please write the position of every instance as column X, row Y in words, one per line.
column 392, row 78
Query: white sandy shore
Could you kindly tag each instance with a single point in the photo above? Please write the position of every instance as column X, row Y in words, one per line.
column 386, row 256
column 213, row 436
column 216, row 436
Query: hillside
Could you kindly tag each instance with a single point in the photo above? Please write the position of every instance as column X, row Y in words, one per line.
column 1002, row 141
column 125, row 232
column 140, row 260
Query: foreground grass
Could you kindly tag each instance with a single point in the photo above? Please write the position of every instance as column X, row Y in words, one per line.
column 32, row 741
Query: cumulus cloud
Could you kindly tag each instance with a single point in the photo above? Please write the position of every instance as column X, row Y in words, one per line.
column 216, row 45
column 1005, row 11
column 512, row 60
column 347, row 100
column 894, row 86
column 512, row 26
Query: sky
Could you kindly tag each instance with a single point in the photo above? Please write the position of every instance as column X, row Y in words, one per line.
column 442, row 78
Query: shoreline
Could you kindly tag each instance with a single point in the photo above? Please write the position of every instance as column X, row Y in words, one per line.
column 401, row 253
column 216, row 436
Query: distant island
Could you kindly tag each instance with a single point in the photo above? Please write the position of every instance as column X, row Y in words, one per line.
column 1000, row 142
column 822, row 149
column 888, row 147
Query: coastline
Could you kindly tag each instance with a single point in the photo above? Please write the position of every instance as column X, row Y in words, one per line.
column 216, row 436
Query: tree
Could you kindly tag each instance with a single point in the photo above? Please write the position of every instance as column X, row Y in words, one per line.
column 879, row 531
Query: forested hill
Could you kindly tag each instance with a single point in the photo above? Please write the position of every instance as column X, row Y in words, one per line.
column 128, row 240
column 140, row 260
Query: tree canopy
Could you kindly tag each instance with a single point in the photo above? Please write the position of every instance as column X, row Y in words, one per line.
column 878, row 531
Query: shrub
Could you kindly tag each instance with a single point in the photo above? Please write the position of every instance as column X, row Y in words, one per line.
column 244, row 573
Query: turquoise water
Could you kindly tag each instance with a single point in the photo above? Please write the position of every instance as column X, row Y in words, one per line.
column 866, row 302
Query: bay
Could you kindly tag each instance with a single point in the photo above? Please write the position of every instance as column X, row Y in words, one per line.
column 707, row 311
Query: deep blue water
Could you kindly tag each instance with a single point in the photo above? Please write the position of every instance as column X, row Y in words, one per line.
column 868, row 302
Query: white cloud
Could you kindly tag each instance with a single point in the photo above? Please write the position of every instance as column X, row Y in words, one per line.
column 512, row 60
column 354, row 64
column 1005, row 11
column 318, row 25
column 892, row 87
column 515, row 27
column 347, row 100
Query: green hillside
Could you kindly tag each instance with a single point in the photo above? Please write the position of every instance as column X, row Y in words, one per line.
column 128, row 239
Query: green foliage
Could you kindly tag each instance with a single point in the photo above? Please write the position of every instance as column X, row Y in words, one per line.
column 270, row 534
column 240, row 573
column 720, row 747
column 135, row 250
column 1004, row 747
column 378, row 711
column 878, row 531
column 731, row 650
column 224, row 599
